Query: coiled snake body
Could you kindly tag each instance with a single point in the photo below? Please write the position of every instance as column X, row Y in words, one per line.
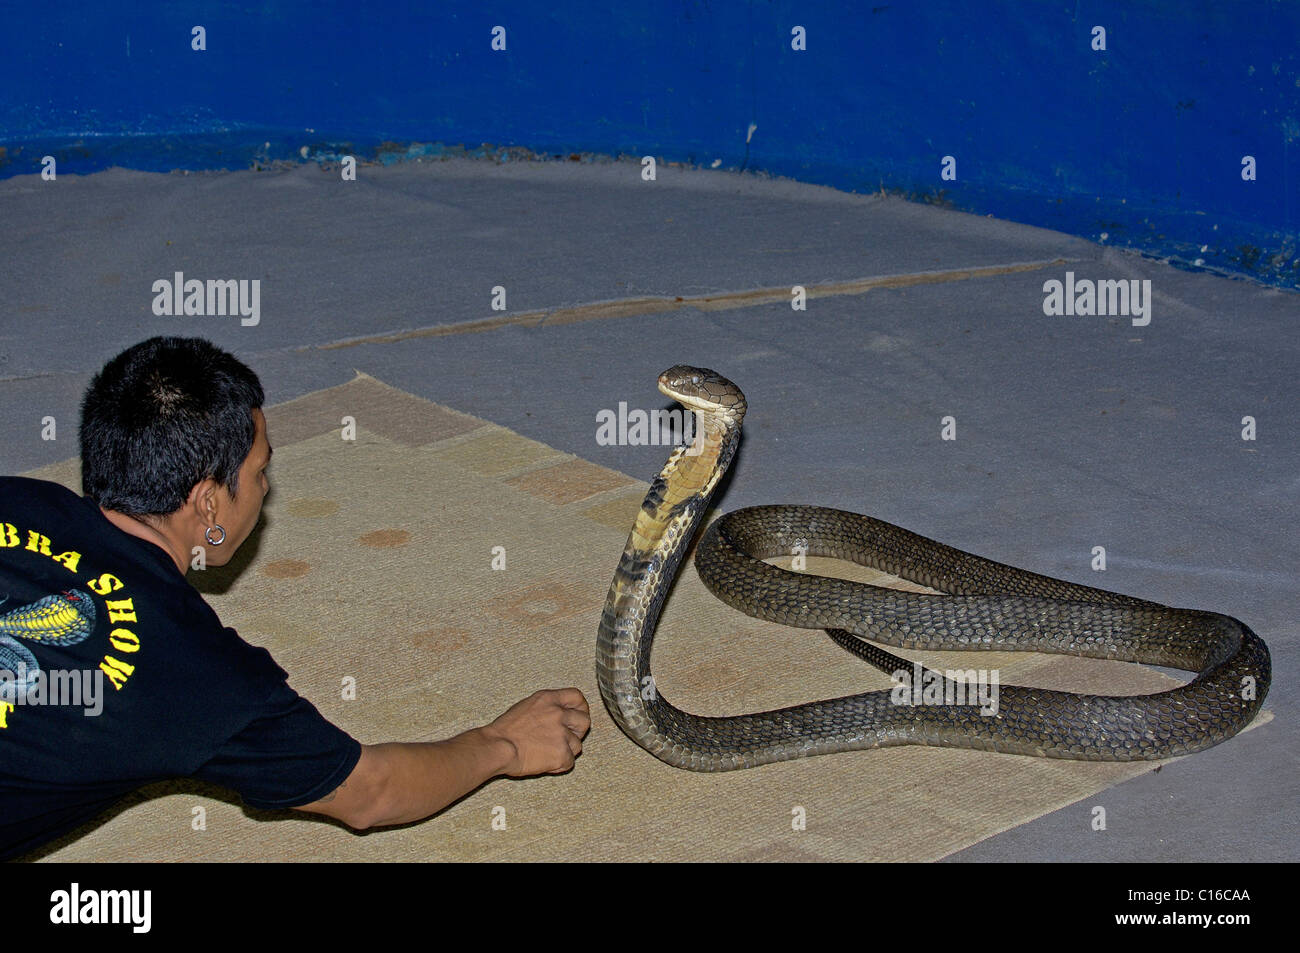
column 987, row 606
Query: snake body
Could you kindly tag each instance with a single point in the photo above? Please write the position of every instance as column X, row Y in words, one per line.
column 985, row 605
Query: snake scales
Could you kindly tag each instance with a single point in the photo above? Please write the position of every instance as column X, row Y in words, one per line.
column 986, row 606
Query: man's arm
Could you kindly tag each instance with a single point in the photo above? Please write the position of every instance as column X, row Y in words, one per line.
column 397, row 783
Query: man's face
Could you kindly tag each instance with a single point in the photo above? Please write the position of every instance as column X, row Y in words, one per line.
column 239, row 514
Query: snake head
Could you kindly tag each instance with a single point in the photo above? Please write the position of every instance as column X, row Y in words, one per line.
column 703, row 391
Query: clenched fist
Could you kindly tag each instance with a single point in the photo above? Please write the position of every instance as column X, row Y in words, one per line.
column 546, row 730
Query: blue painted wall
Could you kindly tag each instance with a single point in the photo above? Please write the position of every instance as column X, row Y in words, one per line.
column 1142, row 142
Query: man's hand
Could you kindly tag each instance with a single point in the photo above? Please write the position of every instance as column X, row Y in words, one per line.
column 546, row 730
column 397, row 783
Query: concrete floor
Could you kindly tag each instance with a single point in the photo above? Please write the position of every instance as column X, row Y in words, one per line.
column 1072, row 431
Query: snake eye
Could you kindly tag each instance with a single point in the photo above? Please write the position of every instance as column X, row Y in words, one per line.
column 695, row 378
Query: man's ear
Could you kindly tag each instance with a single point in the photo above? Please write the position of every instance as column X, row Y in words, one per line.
column 202, row 502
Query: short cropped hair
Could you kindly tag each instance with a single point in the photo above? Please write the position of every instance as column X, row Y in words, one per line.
column 162, row 416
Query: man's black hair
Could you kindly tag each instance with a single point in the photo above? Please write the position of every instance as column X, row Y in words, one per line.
column 160, row 417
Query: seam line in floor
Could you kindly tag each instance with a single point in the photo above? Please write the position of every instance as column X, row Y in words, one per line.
column 723, row 301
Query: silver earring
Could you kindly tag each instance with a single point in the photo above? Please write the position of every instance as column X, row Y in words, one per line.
column 207, row 534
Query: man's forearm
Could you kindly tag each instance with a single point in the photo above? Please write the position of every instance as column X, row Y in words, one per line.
column 422, row 778
column 398, row 783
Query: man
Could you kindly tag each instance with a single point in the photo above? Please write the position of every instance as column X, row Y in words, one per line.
column 95, row 603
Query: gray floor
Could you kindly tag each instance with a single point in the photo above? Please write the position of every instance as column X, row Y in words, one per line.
column 1072, row 432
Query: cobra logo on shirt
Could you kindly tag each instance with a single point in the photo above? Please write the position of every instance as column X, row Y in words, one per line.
column 65, row 618
column 57, row 619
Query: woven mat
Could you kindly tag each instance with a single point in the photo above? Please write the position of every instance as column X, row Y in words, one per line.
column 374, row 563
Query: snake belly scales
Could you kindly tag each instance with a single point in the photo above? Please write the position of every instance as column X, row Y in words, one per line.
column 983, row 605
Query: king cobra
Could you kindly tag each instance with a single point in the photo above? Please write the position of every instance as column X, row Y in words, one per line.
column 980, row 604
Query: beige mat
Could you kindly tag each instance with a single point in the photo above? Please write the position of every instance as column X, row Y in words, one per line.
column 374, row 563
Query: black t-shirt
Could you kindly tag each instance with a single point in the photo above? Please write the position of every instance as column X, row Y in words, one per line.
column 114, row 673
